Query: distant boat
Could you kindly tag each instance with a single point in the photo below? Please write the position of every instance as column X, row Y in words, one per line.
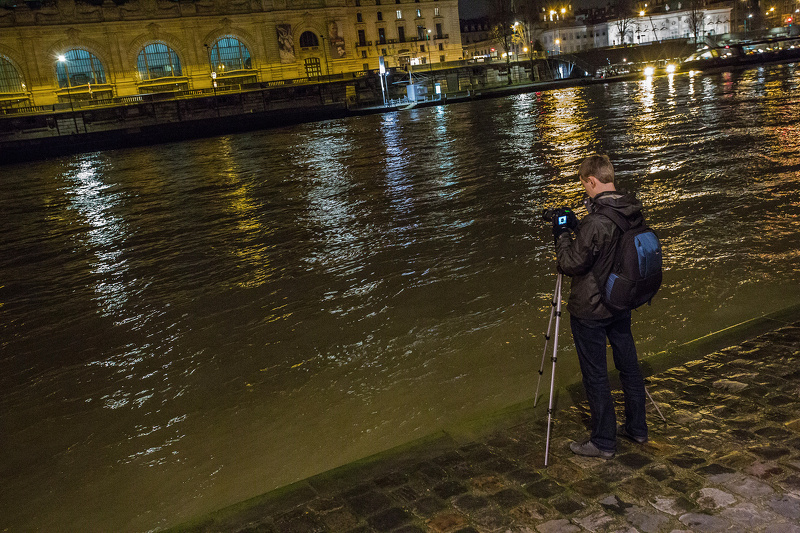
column 777, row 50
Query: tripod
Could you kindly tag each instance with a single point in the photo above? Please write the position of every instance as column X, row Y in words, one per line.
column 555, row 311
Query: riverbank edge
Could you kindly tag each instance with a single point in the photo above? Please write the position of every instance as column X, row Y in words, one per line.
column 120, row 134
column 475, row 428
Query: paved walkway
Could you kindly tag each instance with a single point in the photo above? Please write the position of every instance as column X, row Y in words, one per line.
column 728, row 459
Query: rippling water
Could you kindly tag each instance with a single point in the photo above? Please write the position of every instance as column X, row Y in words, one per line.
column 188, row 325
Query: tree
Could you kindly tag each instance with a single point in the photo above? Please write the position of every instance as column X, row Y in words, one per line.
column 696, row 18
column 625, row 21
column 501, row 22
column 527, row 23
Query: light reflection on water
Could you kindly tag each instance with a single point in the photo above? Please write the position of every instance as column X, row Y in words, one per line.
column 188, row 325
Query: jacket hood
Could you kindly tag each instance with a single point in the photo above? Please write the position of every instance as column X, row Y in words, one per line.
column 624, row 202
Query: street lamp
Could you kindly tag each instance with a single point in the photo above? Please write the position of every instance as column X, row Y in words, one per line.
column 325, row 51
column 213, row 77
column 213, row 70
column 557, row 33
column 63, row 59
column 430, row 61
column 518, row 36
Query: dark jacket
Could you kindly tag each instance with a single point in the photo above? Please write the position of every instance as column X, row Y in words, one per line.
column 588, row 257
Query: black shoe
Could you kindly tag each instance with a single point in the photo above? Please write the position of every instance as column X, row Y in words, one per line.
column 588, row 449
column 621, row 431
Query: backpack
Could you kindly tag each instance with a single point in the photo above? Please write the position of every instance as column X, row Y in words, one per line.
column 636, row 271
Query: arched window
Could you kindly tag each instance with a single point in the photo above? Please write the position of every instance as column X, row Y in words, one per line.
column 229, row 53
column 308, row 39
column 79, row 67
column 10, row 80
column 157, row 60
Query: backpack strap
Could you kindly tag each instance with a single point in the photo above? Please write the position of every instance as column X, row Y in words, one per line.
column 616, row 217
column 622, row 223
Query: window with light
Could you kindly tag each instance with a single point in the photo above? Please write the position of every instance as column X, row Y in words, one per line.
column 10, row 80
column 78, row 67
column 157, row 60
column 313, row 67
column 229, row 54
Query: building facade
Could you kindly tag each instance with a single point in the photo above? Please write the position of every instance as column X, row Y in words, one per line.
column 572, row 37
column 70, row 51
column 476, row 38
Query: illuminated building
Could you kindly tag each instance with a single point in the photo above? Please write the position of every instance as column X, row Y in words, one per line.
column 575, row 35
column 68, row 51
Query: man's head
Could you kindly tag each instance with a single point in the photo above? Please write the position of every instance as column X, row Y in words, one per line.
column 597, row 175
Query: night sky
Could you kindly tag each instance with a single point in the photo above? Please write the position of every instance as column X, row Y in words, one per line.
column 468, row 9
column 475, row 8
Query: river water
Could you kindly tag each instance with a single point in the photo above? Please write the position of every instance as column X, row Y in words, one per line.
column 188, row 325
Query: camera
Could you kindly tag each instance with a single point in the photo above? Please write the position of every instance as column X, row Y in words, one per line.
column 558, row 215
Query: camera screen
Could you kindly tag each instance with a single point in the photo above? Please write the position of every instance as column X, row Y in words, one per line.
column 562, row 220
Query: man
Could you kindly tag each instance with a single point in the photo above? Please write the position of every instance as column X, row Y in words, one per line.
column 588, row 259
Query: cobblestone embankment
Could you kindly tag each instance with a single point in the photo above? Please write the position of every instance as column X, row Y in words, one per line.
column 727, row 459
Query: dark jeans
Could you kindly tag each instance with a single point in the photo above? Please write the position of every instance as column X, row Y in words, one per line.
column 590, row 343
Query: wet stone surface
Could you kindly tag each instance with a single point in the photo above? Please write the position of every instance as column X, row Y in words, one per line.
column 728, row 459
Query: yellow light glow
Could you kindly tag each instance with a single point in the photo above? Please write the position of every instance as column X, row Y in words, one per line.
column 641, row 13
column 564, row 10
column 62, row 58
column 648, row 71
column 670, row 68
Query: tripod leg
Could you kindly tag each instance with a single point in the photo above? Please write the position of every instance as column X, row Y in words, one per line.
column 654, row 404
column 553, row 371
column 556, row 292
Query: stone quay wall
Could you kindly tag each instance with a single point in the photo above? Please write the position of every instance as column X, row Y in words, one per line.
column 727, row 458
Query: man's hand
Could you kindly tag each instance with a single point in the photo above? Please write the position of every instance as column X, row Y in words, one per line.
column 572, row 220
column 564, row 220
